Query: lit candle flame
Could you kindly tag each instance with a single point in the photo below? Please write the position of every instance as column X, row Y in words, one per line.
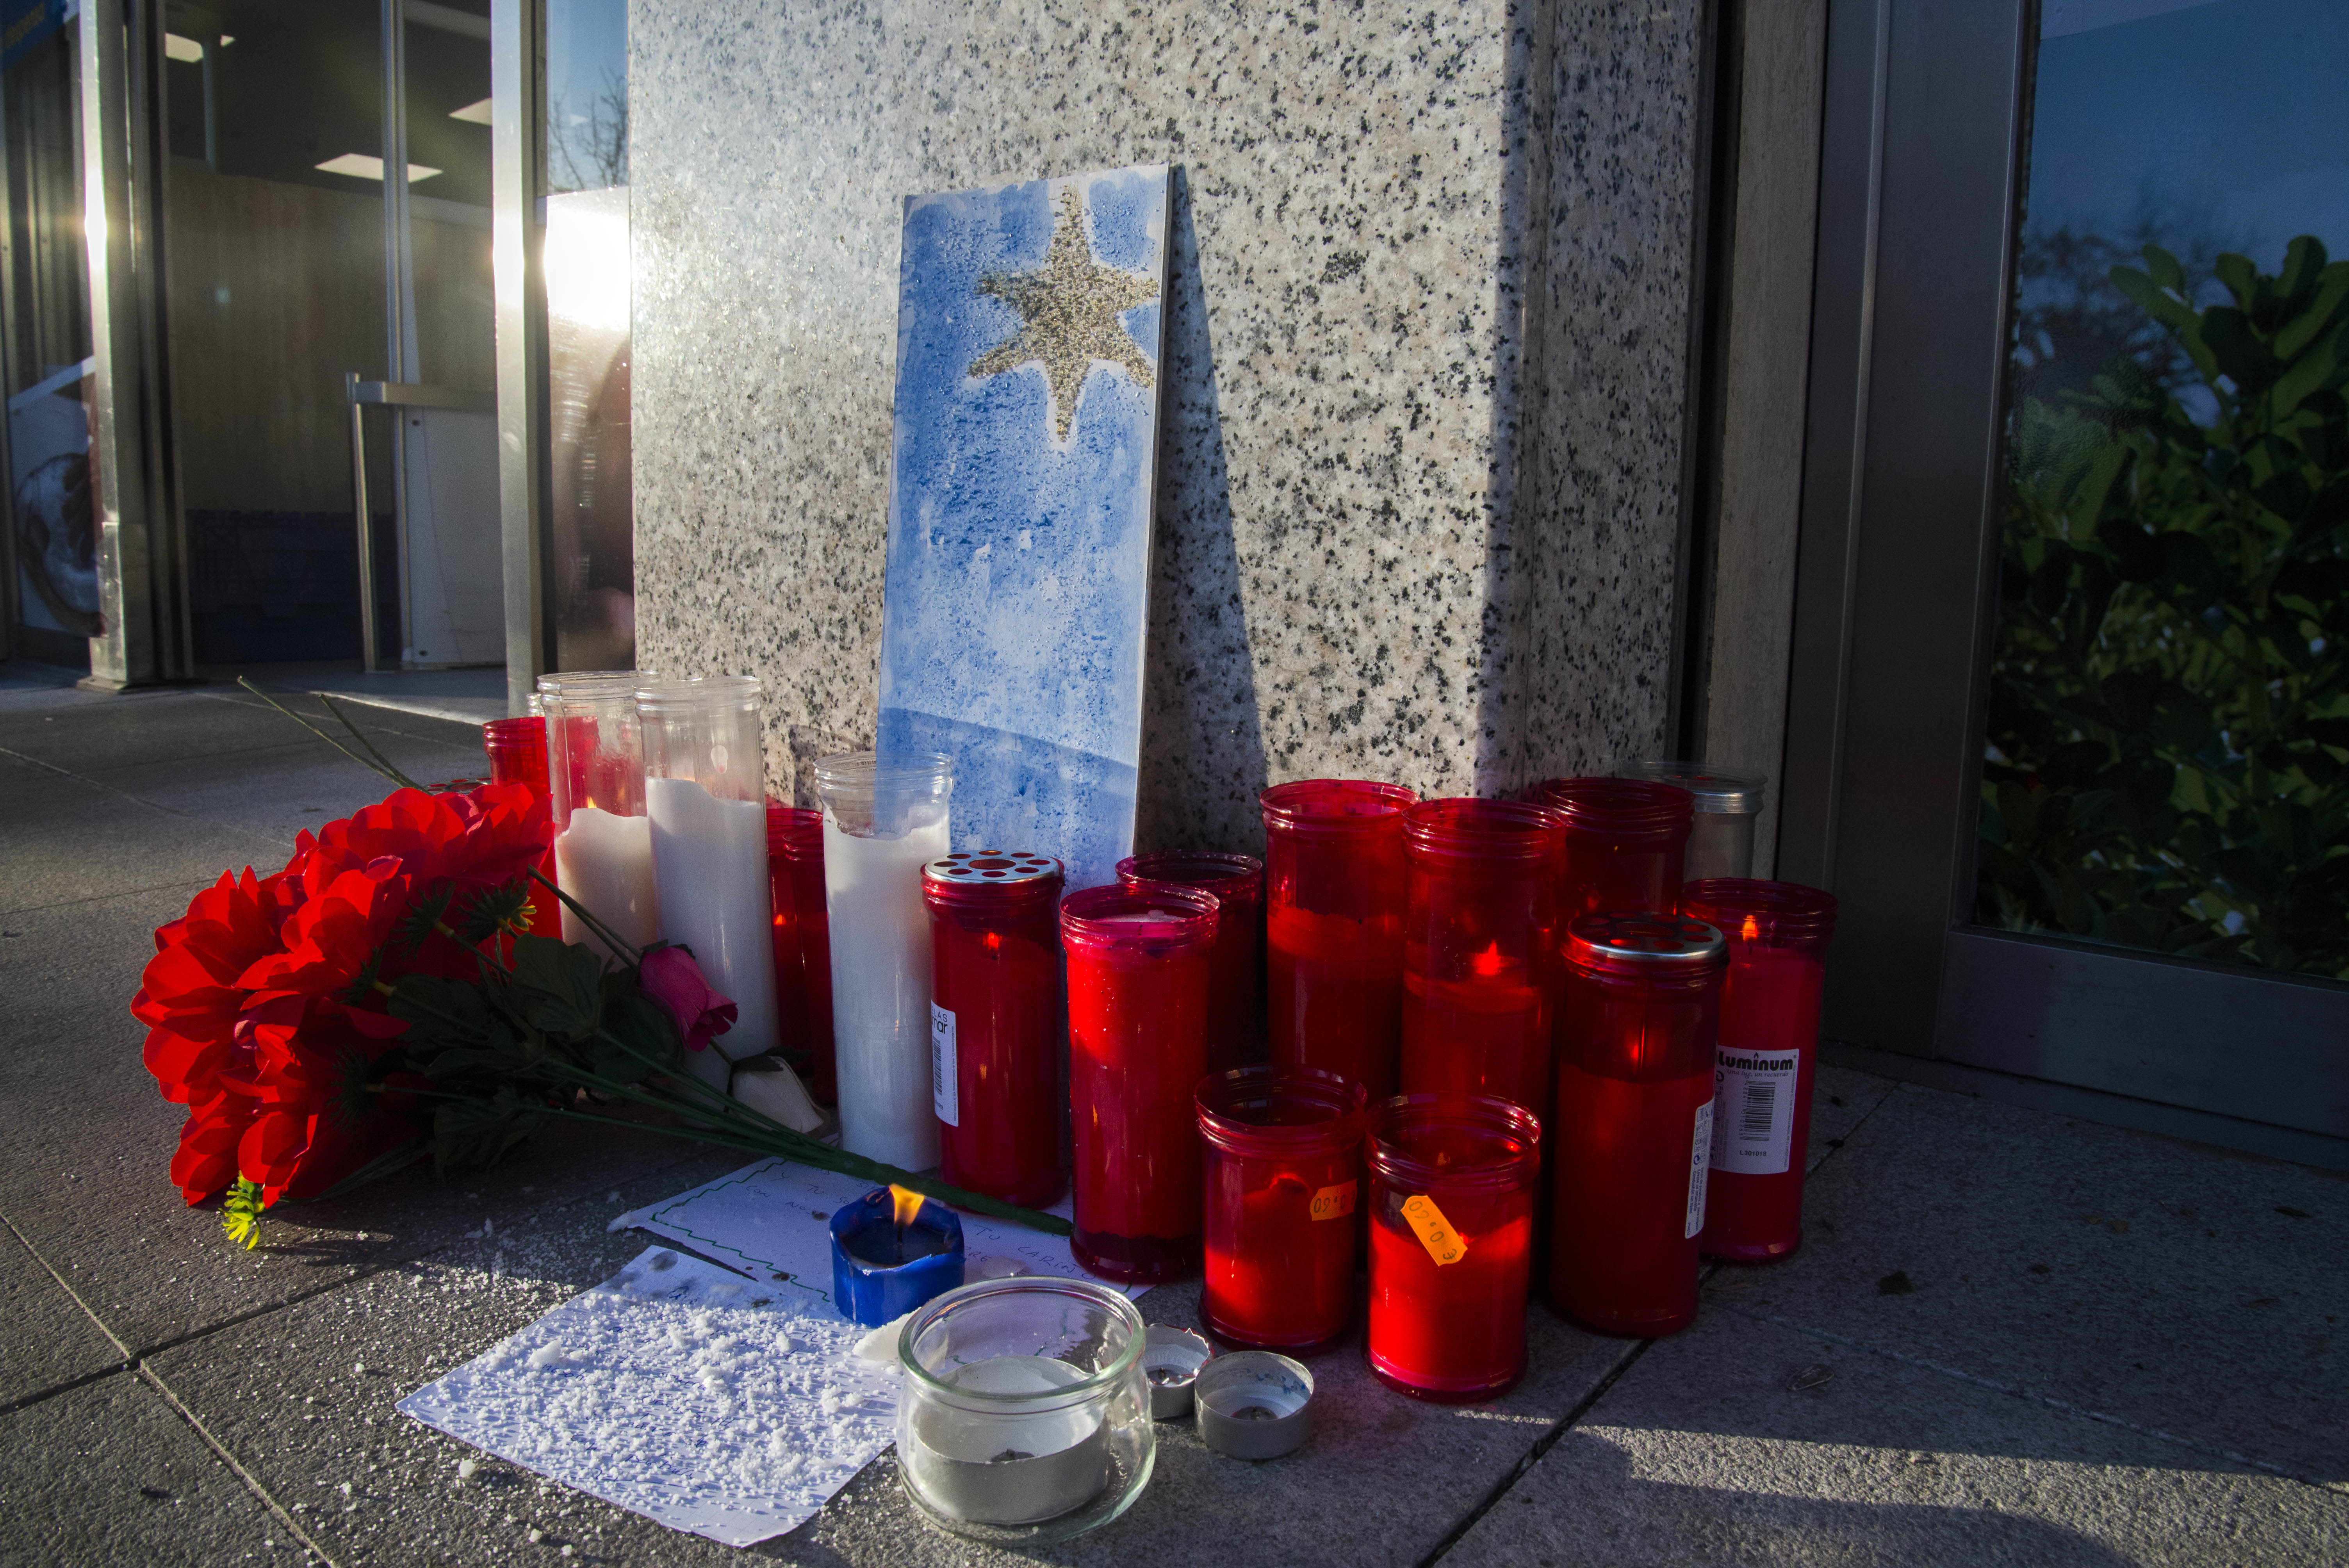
column 1752, row 929
column 908, row 1202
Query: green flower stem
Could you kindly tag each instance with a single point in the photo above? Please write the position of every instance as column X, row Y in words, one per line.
column 375, row 763
column 610, row 937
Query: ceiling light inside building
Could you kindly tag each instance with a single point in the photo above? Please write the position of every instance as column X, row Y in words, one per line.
column 187, row 51
column 473, row 113
column 364, row 165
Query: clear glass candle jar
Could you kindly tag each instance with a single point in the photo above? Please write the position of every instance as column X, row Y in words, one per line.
column 1728, row 804
column 1631, row 1136
column 1451, row 1227
column 995, row 1023
column 1765, row 1057
column 517, row 753
column 1283, row 1181
column 1333, row 927
column 1023, row 1415
column 1138, row 968
column 1235, row 974
column 802, row 943
column 1626, row 839
column 705, row 797
column 595, row 773
column 1478, row 926
column 884, row 819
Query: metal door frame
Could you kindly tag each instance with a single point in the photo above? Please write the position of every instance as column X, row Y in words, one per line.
column 1896, row 604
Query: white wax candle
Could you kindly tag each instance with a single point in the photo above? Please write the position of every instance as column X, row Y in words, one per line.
column 607, row 863
column 709, row 857
column 881, row 987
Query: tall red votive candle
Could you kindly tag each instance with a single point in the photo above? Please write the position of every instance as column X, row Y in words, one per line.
column 1138, row 969
column 1333, row 927
column 802, row 942
column 1765, row 1060
column 1452, row 1229
column 1631, row 1137
column 995, row 1023
column 1482, row 877
column 1283, row 1179
column 1626, row 839
column 1235, row 974
column 517, row 749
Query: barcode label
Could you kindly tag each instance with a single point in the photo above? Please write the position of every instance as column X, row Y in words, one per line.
column 1755, row 1133
column 1700, row 1161
column 946, row 1086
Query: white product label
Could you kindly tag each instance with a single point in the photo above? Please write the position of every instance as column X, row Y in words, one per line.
column 1755, row 1133
column 1700, row 1161
column 946, row 1086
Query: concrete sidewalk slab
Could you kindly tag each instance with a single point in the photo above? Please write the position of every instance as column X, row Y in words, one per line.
column 50, row 1341
column 278, row 791
column 109, row 1473
column 1740, row 1443
column 2173, row 1287
column 68, row 840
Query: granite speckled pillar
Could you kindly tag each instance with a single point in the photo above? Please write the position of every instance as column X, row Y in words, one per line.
column 1426, row 375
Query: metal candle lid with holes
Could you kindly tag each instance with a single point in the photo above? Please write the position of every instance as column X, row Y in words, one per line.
column 1254, row 1405
column 1172, row 1359
column 991, row 875
column 1643, row 944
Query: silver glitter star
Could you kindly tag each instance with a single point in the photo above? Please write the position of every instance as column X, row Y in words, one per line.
column 1067, row 310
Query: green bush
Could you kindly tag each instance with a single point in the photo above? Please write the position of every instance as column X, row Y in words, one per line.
column 2169, row 739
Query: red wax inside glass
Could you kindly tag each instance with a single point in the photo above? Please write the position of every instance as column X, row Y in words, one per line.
column 995, row 1023
column 802, row 943
column 1283, row 1187
column 1138, row 972
column 1333, row 927
column 1766, row 1054
column 517, row 749
column 1236, row 970
column 1455, row 1331
column 1626, row 841
column 1482, row 896
column 1630, row 1137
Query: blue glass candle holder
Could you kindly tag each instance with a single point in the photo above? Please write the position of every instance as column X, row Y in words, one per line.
column 882, row 1270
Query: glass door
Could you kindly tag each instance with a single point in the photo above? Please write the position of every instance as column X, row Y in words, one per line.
column 2070, row 718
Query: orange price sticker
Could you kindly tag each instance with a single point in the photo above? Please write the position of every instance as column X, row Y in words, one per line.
column 1435, row 1232
column 1334, row 1202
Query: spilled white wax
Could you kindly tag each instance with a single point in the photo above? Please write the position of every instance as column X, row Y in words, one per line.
column 881, row 989
column 607, row 863
column 709, row 857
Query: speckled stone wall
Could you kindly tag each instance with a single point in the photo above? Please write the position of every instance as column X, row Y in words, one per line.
column 1426, row 345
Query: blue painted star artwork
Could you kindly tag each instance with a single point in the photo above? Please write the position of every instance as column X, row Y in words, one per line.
column 1016, row 604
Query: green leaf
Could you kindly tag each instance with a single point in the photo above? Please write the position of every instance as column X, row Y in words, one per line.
column 472, row 1134
column 440, row 1013
column 557, row 988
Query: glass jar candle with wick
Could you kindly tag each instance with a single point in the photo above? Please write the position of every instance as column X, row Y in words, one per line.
column 1138, row 969
column 1236, row 972
column 517, row 753
column 802, row 942
column 1283, row 1169
column 603, row 839
column 1333, row 926
column 1626, row 840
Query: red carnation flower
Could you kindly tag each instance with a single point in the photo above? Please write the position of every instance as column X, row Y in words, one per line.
column 672, row 979
column 322, row 1108
column 205, row 1161
column 190, row 997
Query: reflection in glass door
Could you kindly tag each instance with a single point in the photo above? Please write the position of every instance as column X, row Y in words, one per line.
column 52, row 598
column 2166, row 762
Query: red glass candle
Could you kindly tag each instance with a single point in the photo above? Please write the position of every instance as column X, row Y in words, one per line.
column 802, row 943
column 1333, row 927
column 995, row 1023
column 1482, row 878
column 517, row 749
column 1626, row 839
column 1766, row 1054
column 1452, row 1226
column 1283, row 1177
column 1631, row 1137
column 1236, row 972
column 1138, row 968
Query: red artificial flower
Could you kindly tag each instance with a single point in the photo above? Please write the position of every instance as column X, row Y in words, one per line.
column 673, row 980
column 205, row 1161
column 507, row 829
column 331, row 940
column 322, row 1106
column 189, row 995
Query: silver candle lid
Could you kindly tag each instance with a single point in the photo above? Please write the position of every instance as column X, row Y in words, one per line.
column 1254, row 1405
column 1717, row 792
column 1171, row 1361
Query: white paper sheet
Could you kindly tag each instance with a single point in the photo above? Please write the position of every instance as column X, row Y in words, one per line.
column 683, row 1392
column 770, row 1221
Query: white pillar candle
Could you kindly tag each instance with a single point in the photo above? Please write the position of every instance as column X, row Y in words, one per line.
column 881, row 986
column 607, row 863
column 710, row 858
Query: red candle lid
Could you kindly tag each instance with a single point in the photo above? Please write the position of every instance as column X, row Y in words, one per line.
column 1644, row 943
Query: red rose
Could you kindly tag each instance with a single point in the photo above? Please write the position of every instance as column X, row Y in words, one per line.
column 671, row 978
